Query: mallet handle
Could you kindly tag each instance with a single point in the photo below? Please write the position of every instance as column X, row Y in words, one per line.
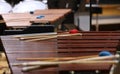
column 54, row 36
column 64, row 62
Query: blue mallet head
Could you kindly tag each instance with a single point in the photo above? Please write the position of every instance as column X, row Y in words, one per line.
column 105, row 53
column 40, row 16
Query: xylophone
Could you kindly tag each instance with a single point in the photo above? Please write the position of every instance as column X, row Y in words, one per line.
column 68, row 48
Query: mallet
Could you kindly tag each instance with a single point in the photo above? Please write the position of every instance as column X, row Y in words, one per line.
column 91, row 57
column 39, row 64
column 102, row 59
column 35, row 34
column 87, row 60
column 37, row 38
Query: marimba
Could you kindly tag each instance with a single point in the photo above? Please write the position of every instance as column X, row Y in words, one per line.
column 50, row 16
column 91, row 43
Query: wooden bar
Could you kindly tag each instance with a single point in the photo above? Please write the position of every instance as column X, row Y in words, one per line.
column 95, row 37
column 104, row 34
column 99, row 33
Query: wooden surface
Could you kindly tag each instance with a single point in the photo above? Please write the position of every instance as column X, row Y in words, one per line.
column 36, row 46
column 17, row 19
column 53, row 11
column 25, row 19
column 88, row 44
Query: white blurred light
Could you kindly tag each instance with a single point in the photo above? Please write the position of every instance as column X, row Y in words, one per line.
column 44, row 1
column 29, row 5
column 5, row 7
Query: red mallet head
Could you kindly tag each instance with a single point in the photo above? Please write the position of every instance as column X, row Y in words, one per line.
column 73, row 31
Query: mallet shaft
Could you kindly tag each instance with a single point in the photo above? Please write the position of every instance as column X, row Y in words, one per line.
column 54, row 36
